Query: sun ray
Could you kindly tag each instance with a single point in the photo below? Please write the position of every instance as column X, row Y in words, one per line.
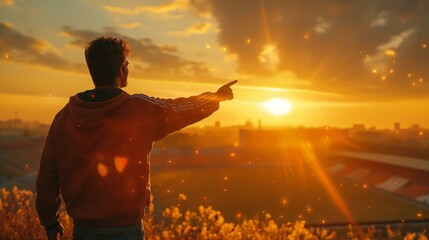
column 313, row 162
column 265, row 23
column 299, row 152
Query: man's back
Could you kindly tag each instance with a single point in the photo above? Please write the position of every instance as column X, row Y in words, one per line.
column 96, row 154
column 101, row 152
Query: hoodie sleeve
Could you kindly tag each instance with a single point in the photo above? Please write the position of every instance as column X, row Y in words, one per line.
column 175, row 114
column 48, row 198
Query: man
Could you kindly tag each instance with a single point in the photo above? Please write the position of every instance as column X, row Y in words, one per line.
column 97, row 150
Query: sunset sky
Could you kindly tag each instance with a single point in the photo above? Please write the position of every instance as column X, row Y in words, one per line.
column 336, row 62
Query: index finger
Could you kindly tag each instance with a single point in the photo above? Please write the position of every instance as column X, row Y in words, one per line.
column 230, row 83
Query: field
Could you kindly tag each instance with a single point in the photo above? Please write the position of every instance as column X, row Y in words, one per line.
column 19, row 156
column 286, row 194
column 288, row 191
column 279, row 193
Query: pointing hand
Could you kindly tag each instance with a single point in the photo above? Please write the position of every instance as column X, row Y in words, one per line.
column 225, row 91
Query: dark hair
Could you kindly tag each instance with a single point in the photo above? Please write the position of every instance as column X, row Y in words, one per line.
column 104, row 56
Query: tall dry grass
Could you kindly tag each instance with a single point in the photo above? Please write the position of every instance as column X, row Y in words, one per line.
column 18, row 220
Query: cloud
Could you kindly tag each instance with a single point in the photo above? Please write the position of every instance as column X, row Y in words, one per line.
column 386, row 53
column 120, row 10
column 167, row 7
column 201, row 7
column 130, row 25
column 321, row 25
column 7, row 2
column 19, row 47
column 176, row 5
column 269, row 57
column 327, row 44
column 196, row 28
column 380, row 20
column 396, row 41
column 149, row 60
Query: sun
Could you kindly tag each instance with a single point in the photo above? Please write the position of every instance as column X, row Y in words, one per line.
column 277, row 106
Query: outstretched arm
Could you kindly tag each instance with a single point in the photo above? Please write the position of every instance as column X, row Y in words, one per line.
column 178, row 113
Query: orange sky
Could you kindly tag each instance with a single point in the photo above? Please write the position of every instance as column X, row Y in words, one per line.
column 337, row 63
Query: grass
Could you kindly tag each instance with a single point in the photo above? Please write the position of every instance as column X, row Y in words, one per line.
column 285, row 193
column 18, row 220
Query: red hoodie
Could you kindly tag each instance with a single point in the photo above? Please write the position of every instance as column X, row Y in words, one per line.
column 97, row 155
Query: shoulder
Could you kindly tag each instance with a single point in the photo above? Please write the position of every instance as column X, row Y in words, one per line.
column 157, row 102
column 61, row 112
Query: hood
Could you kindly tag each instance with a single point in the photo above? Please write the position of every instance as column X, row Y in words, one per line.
column 89, row 115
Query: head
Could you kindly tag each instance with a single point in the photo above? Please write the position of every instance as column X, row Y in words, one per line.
column 107, row 62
